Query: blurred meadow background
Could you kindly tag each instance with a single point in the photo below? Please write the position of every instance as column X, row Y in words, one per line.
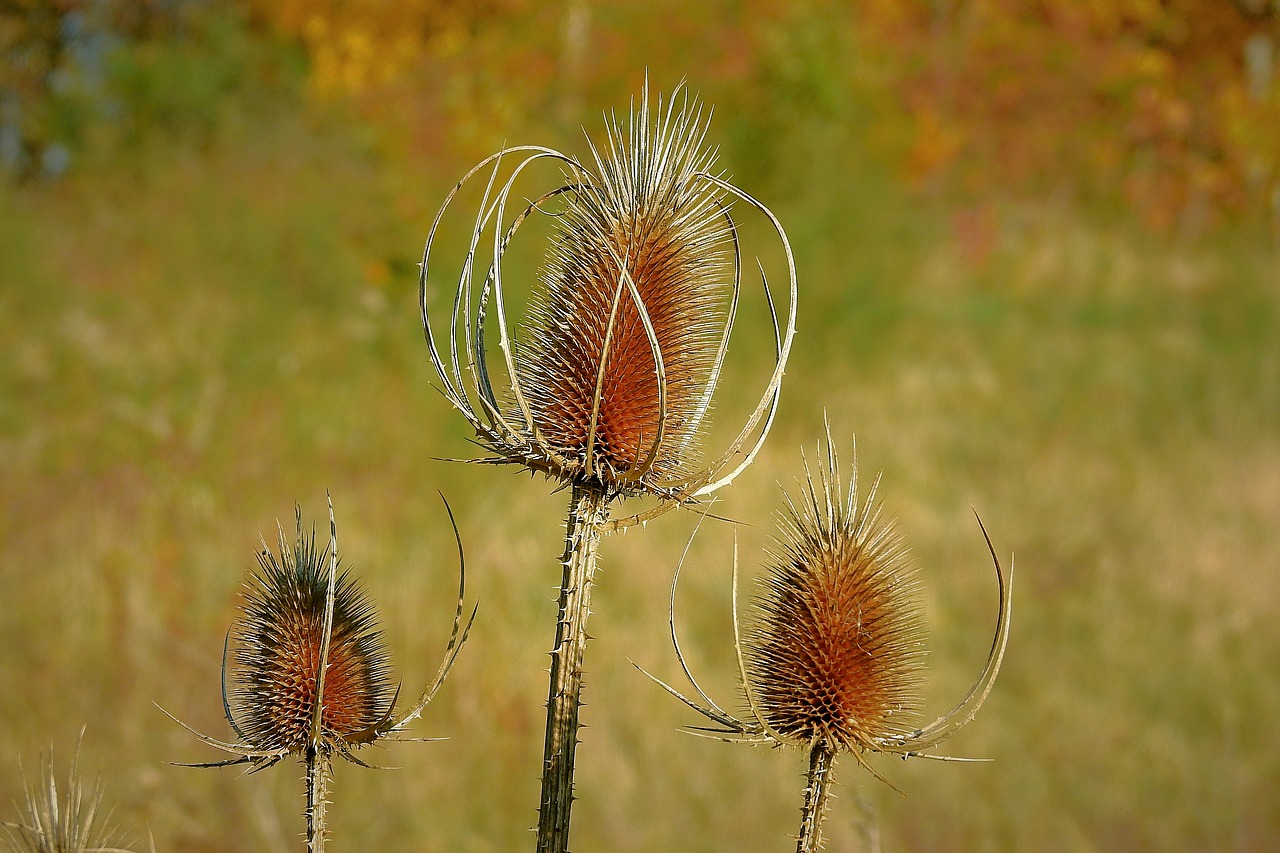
column 1038, row 248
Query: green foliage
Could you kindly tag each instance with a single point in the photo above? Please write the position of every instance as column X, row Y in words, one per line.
column 189, row 83
column 86, row 80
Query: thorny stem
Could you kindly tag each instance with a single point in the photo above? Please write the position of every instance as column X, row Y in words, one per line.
column 588, row 512
column 822, row 765
column 318, row 771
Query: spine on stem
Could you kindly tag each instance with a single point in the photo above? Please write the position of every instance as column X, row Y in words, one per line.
column 588, row 512
column 822, row 761
column 318, row 771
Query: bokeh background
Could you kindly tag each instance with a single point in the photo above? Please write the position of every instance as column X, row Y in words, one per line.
column 1039, row 258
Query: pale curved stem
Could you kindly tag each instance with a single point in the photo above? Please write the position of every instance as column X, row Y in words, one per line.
column 499, row 247
column 659, row 370
column 457, row 637
column 967, row 708
column 330, row 599
column 769, row 400
column 454, row 386
column 722, row 351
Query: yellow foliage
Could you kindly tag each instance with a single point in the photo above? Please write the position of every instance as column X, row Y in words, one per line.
column 1171, row 104
column 356, row 45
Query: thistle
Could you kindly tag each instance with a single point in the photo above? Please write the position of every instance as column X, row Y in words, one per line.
column 73, row 823
column 609, row 386
column 833, row 659
column 310, row 673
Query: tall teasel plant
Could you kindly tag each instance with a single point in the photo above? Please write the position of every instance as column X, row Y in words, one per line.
column 832, row 659
column 310, row 673
column 608, row 384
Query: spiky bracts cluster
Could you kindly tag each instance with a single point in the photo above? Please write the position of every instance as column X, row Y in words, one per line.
column 631, row 308
column 68, row 822
column 833, row 660
column 836, row 652
column 611, row 380
column 310, row 674
column 279, row 642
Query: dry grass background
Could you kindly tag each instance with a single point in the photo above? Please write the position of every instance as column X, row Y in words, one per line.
column 197, row 340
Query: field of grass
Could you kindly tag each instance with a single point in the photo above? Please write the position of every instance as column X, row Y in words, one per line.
column 202, row 336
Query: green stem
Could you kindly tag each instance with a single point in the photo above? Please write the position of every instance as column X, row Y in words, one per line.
column 822, row 763
column 588, row 512
column 317, row 798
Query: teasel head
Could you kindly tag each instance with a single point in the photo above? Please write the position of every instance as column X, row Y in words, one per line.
column 70, row 821
column 306, row 671
column 835, row 651
column 609, row 380
column 833, row 657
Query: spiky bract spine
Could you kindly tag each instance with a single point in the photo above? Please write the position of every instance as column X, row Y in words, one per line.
column 278, row 645
column 836, row 651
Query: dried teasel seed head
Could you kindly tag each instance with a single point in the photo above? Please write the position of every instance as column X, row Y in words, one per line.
column 639, row 272
column 279, row 644
column 68, row 821
column 609, row 379
column 835, row 652
column 310, row 673
column 833, row 658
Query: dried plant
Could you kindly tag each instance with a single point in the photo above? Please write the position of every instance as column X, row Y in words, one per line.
column 833, row 658
column 609, row 386
column 612, row 382
column 310, row 675
column 72, row 823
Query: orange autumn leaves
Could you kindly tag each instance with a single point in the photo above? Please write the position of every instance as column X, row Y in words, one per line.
column 1168, row 108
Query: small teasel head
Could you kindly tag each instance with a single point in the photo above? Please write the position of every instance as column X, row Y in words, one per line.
column 833, row 657
column 609, row 380
column 70, row 820
column 306, row 671
column 280, row 689
column 835, row 653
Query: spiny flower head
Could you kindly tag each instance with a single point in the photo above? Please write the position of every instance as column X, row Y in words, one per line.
column 835, row 654
column 649, row 253
column 611, row 379
column 279, row 642
column 833, row 660
column 310, row 674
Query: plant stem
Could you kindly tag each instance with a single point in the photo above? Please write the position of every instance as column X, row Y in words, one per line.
column 317, row 798
column 588, row 511
column 822, row 763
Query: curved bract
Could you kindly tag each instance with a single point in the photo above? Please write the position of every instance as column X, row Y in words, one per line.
column 609, row 378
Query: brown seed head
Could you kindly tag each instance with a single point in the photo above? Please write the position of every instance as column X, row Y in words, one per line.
column 310, row 673
column 835, row 654
column 609, row 380
column 638, row 273
column 279, row 641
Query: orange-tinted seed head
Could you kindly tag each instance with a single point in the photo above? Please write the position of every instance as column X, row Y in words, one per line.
column 835, row 654
column 278, row 646
column 640, row 262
